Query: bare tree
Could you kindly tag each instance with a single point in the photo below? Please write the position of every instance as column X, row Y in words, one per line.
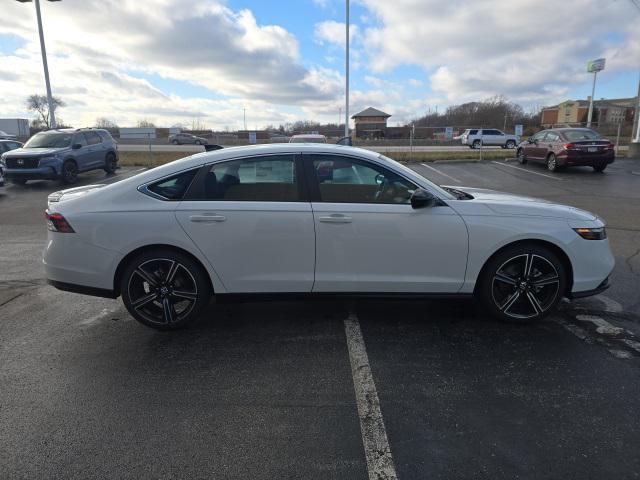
column 40, row 105
column 104, row 122
column 145, row 123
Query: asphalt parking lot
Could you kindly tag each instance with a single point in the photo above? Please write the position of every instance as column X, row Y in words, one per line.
column 332, row 389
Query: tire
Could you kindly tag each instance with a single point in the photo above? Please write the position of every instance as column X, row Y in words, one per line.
column 69, row 174
column 522, row 158
column 599, row 168
column 110, row 163
column 476, row 144
column 199, row 142
column 522, row 284
column 174, row 142
column 510, row 144
column 18, row 181
column 152, row 298
column 552, row 163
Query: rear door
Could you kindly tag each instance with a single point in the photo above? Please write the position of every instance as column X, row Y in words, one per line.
column 97, row 149
column 492, row 137
column 251, row 219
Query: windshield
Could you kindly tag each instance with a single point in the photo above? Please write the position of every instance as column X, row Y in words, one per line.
column 442, row 192
column 49, row 140
column 576, row 135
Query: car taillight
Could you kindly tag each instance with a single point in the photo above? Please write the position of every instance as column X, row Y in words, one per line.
column 608, row 146
column 57, row 223
column 570, row 146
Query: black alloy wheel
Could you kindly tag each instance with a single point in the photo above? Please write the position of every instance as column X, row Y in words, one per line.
column 165, row 290
column 521, row 156
column 110, row 163
column 69, row 172
column 523, row 284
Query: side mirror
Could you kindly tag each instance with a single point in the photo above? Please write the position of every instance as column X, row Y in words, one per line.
column 76, row 146
column 423, row 199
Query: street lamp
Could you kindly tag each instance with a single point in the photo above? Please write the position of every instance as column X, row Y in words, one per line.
column 52, row 116
column 346, row 101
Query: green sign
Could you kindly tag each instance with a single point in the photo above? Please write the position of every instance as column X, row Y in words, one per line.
column 596, row 65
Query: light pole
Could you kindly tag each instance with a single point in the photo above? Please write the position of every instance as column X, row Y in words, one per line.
column 594, row 66
column 346, row 101
column 52, row 116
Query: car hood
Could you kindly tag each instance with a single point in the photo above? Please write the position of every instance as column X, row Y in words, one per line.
column 511, row 204
column 30, row 152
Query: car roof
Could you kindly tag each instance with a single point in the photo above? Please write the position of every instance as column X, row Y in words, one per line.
column 308, row 135
column 8, row 140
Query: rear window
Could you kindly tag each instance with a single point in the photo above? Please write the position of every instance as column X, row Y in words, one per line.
column 173, row 188
column 577, row 135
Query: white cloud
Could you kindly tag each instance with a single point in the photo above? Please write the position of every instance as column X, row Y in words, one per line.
column 334, row 33
column 528, row 50
column 98, row 49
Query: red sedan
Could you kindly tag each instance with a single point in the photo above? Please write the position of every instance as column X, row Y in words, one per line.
column 567, row 147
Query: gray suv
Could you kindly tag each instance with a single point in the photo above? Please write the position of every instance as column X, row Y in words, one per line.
column 61, row 154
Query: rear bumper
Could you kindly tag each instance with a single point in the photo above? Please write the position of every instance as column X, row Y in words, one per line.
column 41, row 173
column 582, row 159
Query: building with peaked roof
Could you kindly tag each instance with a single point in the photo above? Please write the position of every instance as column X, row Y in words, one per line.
column 371, row 123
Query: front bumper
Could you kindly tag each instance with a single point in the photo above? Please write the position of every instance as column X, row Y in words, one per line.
column 588, row 293
column 40, row 173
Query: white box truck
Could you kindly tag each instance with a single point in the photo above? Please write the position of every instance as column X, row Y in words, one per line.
column 18, row 127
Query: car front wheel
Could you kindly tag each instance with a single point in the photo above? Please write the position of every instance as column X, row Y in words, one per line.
column 523, row 283
column 165, row 289
column 521, row 156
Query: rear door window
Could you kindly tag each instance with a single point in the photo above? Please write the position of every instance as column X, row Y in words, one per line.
column 270, row 178
column 93, row 138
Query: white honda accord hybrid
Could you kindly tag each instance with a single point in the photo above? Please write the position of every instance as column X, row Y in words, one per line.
column 315, row 219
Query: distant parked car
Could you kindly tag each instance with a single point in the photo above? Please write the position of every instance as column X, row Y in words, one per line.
column 6, row 136
column 567, row 147
column 187, row 138
column 61, row 154
column 308, row 138
column 7, row 145
column 474, row 137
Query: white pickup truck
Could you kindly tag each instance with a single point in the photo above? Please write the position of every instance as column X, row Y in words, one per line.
column 475, row 137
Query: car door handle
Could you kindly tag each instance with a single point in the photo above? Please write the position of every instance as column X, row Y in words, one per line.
column 335, row 218
column 207, row 218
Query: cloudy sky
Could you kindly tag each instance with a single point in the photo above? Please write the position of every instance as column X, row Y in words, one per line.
column 174, row 61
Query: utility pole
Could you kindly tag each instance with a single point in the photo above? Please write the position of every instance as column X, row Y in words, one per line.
column 636, row 118
column 346, row 101
column 244, row 117
column 43, row 50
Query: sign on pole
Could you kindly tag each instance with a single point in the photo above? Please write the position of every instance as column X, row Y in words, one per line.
column 448, row 133
column 518, row 130
column 596, row 65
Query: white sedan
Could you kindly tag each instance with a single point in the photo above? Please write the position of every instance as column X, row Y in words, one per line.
column 315, row 220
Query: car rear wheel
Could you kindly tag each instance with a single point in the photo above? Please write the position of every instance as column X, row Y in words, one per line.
column 69, row 173
column 521, row 156
column 476, row 144
column 523, row 283
column 599, row 168
column 510, row 144
column 174, row 142
column 552, row 163
column 165, row 289
column 110, row 163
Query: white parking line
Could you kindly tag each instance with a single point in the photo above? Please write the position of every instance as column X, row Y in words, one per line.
column 610, row 305
column 440, row 173
column 526, row 170
column 602, row 326
column 374, row 435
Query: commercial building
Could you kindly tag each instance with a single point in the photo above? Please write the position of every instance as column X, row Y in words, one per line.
column 613, row 111
column 371, row 123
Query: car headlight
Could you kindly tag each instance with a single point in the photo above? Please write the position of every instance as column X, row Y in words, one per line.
column 599, row 233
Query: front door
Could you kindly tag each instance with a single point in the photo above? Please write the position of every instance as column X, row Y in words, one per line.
column 370, row 239
column 251, row 220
